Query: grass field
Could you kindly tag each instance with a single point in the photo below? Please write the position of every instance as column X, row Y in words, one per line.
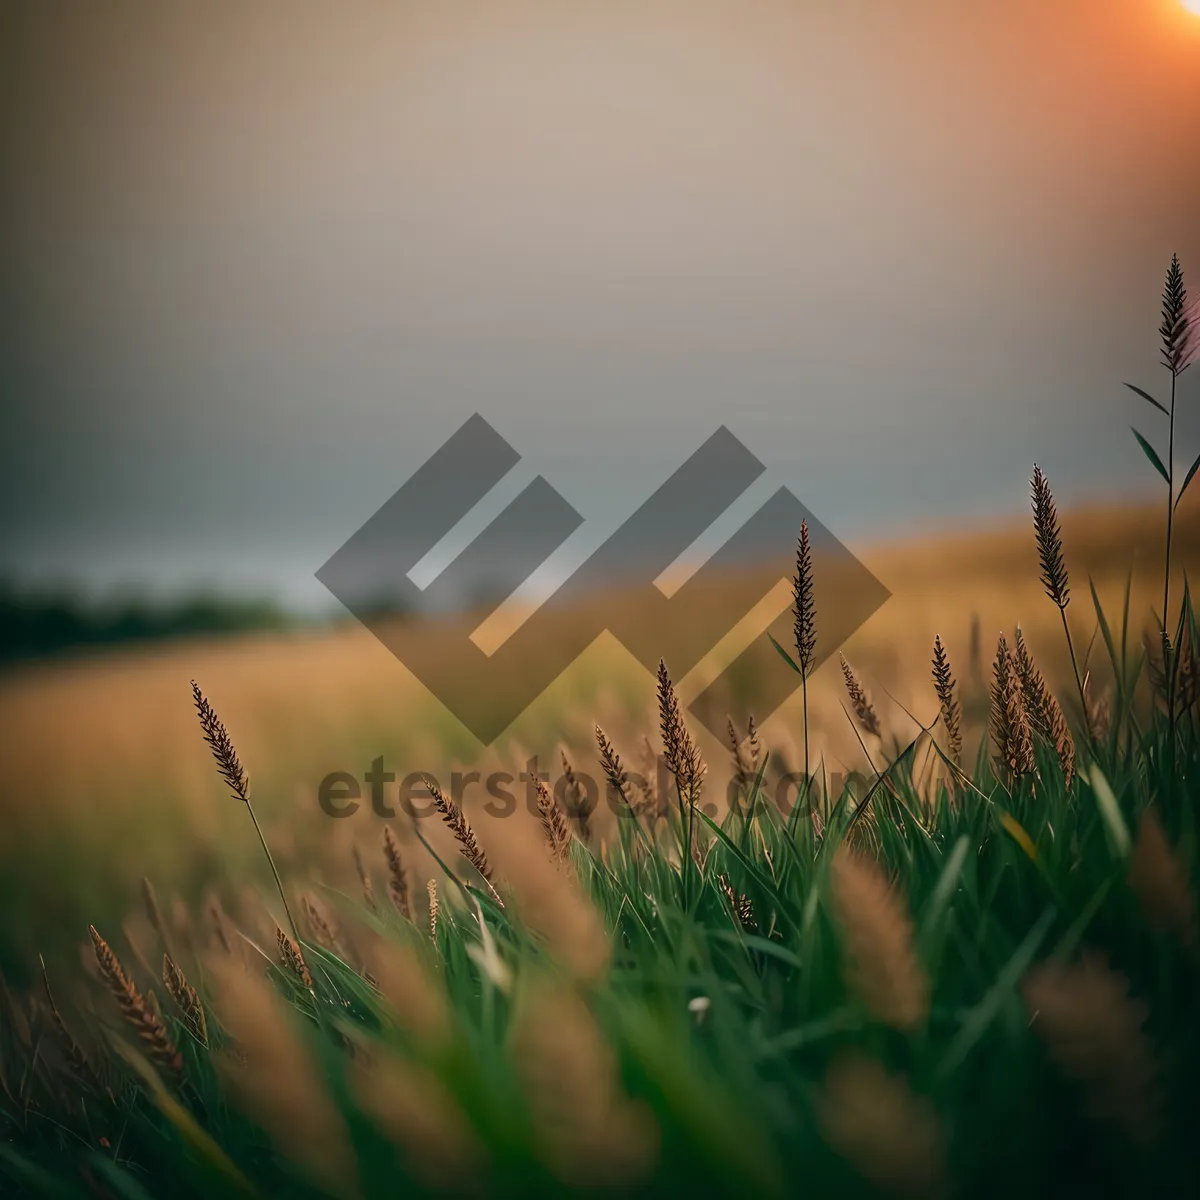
column 104, row 781
column 967, row 962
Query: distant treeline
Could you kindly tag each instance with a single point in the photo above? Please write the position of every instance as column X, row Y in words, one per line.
column 35, row 625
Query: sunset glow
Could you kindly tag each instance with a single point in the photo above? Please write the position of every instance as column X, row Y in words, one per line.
column 1193, row 6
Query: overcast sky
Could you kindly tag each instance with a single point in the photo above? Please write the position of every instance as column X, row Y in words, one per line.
column 260, row 261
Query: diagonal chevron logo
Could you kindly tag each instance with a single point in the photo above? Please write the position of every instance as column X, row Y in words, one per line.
column 617, row 588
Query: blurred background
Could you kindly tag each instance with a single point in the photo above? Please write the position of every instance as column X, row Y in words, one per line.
column 259, row 263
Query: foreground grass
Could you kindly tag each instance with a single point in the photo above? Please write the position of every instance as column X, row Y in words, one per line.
column 1018, row 1011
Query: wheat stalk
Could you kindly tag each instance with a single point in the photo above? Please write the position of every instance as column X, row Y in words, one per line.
column 138, row 1014
column 614, row 769
column 681, row 753
column 230, row 768
column 1043, row 709
column 554, row 824
column 947, row 694
column 292, row 958
column 859, row 701
column 319, row 924
column 1010, row 721
column 575, row 798
column 186, row 999
column 1048, row 536
column 804, row 625
column 397, row 876
column 463, row 834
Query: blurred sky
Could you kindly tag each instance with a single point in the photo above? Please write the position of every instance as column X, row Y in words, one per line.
column 259, row 261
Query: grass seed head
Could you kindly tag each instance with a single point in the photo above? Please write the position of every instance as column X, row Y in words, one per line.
column 293, row 958
column 1175, row 328
column 137, row 1011
column 468, row 844
column 1159, row 879
column 411, row 1106
column 554, row 824
column 864, row 710
column 1011, row 730
column 803, row 608
column 271, row 1077
column 186, row 999
column 680, row 751
column 397, row 876
column 947, row 694
column 1048, row 535
column 591, row 1133
column 876, row 1122
column 1092, row 1030
column 229, row 766
column 881, row 961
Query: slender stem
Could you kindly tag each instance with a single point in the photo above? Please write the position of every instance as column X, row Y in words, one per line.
column 275, row 872
column 1168, row 655
column 1062, row 612
column 807, row 770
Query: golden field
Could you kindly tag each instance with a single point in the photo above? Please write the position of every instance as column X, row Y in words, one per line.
column 106, row 779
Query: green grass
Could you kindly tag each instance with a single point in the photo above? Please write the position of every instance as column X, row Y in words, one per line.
column 729, row 1096
column 1041, row 952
